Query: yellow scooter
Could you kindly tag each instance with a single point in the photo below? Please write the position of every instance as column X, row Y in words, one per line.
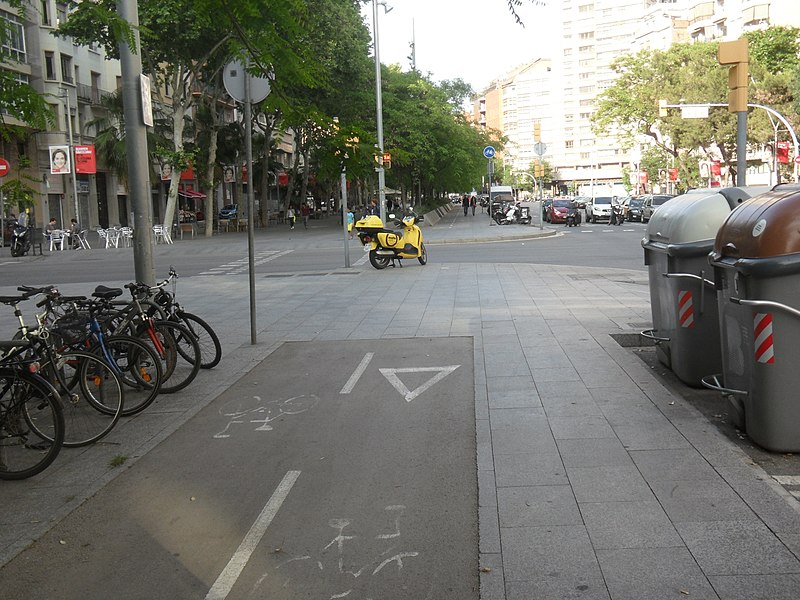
column 386, row 245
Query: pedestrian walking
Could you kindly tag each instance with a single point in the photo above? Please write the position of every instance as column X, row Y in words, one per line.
column 305, row 211
column 473, row 202
column 465, row 203
column 290, row 216
column 374, row 209
column 351, row 220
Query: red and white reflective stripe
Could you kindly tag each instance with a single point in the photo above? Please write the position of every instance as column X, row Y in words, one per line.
column 762, row 335
column 685, row 308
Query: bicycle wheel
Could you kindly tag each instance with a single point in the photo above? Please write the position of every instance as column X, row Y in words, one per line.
column 92, row 396
column 180, row 355
column 139, row 368
column 210, row 348
column 31, row 424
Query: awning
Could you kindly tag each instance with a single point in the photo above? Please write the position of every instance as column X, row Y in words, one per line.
column 190, row 194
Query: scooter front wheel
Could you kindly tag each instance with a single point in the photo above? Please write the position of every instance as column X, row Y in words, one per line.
column 377, row 261
column 16, row 251
column 423, row 257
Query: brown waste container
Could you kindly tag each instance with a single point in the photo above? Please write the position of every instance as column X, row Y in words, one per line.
column 756, row 262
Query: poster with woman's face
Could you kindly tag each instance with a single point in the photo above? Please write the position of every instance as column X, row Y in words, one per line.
column 166, row 172
column 228, row 174
column 59, row 159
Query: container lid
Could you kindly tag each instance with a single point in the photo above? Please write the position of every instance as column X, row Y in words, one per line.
column 767, row 225
column 696, row 215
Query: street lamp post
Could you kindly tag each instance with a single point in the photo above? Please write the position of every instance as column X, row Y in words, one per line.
column 379, row 103
column 72, row 159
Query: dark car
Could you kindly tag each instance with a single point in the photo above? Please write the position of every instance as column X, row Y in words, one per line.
column 635, row 206
column 651, row 203
column 557, row 211
column 229, row 211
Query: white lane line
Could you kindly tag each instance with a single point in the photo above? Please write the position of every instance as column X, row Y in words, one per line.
column 351, row 383
column 224, row 583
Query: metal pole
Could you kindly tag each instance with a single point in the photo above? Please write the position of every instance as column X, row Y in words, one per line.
column 248, row 144
column 379, row 103
column 344, row 217
column 136, row 143
column 74, row 166
column 741, row 148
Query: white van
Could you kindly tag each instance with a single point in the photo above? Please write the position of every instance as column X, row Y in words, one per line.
column 504, row 190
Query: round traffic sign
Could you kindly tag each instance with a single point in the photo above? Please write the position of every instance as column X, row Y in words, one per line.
column 233, row 79
column 488, row 152
column 4, row 167
column 797, row 159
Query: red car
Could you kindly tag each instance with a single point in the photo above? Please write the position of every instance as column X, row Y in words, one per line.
column 557, row 211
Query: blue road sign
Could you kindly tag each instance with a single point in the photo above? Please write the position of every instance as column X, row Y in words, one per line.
column 488, row 152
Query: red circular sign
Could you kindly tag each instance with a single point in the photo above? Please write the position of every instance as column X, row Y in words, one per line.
column 797, row 159
column 4, row 167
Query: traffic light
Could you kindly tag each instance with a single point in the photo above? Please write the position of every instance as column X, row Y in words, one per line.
column 538, row 170
column 537, row 131
column 735, row 54
column 662, row 108
column 387, row 160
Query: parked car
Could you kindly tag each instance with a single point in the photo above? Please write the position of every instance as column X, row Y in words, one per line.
column 651, row 203
column 229, row 211
column 633, row 210
column 557, row 211
column 598, row 208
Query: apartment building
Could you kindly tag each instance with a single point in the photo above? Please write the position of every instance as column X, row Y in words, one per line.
column 594, row 33
column 72, row 79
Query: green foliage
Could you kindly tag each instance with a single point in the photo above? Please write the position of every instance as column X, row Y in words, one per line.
column 16, row 190
column 775, row 48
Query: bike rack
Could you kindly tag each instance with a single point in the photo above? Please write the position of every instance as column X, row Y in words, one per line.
column 712, row 382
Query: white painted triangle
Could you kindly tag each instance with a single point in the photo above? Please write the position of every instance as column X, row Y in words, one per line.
column 409, row 395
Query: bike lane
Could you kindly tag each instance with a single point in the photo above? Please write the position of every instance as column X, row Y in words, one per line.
column 330, row 470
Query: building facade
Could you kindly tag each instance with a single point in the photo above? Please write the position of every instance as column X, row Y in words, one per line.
column 594, row 33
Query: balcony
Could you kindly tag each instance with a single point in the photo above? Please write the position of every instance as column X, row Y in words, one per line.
column 90, row 95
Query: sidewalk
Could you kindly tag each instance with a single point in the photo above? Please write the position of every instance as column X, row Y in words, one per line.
column 595, row 482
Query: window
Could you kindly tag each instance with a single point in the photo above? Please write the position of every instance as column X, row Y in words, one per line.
column 586, row 89
column 586, row 35
column 585, row 48
column 46, row 9
column 61, row 12
column 66, row 68
column 585, row 155
column 49, row 66
column 14, row 45
column 586, row 115
column 569, row 144
column 586, row 8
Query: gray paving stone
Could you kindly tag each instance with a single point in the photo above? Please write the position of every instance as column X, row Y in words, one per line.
column 539, row 553
column 581, row 427
column 629, row 525
column 492, row 581
column 757, row 587
column 489, row 530
column 570, row 407
column 572, row 390
column 737, row 548
column 536, row 468
column 608, row 484
column 556, row 585
column 537, row 506
column 487, row 490
column 653, row 574
column 514, row 398
column 497, row 383
column 597, row 452
column 552, row 374
column 647, row 436
column 701, row 500
column 672, row 465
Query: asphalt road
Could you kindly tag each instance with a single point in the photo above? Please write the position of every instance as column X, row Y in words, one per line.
column 331, row 470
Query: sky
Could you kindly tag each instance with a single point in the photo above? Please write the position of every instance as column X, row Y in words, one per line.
column 474, row 40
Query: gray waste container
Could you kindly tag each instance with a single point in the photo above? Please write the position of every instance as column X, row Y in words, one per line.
column 679, row 237
column 756, row 262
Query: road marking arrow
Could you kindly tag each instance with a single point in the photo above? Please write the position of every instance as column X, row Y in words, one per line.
column 409, row 395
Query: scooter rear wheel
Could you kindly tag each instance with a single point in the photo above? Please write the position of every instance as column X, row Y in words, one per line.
column 377, row 261
column 423, row 257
